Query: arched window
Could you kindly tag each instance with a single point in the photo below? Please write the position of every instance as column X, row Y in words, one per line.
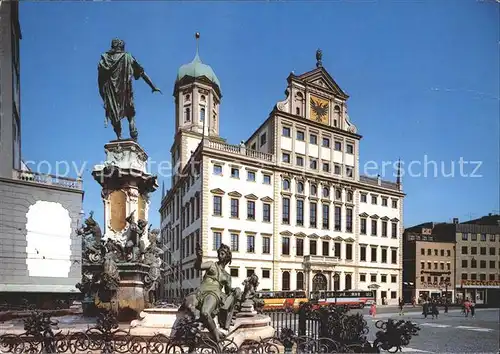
column 187, row 113
column 285, row 281
column 349, row 196
column 348, row 282
column 300, row 281
column 286, row 184
column 300, row 187
column 338, row 194
column 314, row 189
column 336, row 116
column 202, row 98
column 202, row 114
column 326, row 192
column 187, row 98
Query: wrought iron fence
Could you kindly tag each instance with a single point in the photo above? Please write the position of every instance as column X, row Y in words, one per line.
column 327, row 330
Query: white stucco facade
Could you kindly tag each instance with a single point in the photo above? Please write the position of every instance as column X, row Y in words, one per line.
column 289, row 201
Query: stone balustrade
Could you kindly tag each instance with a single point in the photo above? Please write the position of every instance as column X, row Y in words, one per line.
column 239, row 150
column 48, row 180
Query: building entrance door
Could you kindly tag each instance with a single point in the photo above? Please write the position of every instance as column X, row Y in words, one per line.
column 319, row 282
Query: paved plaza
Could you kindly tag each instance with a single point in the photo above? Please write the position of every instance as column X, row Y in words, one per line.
column 451, row 332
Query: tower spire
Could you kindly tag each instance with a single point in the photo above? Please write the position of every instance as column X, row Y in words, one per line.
column 197, row 36
column 398, row 174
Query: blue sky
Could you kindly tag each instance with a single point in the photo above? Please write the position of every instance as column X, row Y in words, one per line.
column 423, row 80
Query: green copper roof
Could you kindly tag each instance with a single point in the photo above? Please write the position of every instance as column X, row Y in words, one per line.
column 197, row 69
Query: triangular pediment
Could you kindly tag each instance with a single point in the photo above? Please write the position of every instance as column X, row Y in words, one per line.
column 326, row 237
column 217, row 191
column 374, row 216
column 364, row 215
column 266, row 200
column 251, row 197
column 322, row 80
column 385, row 218
column 286, row 233
column 394, row 219
column 234, row 194
column 349, row 239
column 313, row 236
column 338, row 238
column 300, row 234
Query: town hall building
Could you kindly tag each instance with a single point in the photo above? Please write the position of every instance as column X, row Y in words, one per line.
column 289, row 201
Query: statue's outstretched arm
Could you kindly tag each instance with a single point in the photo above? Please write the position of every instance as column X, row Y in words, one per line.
column 147, row 79
column 198, row 263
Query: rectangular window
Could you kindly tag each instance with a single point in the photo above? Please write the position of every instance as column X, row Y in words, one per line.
column 286, row 157
column 300, row 212
column 312, row 247
column 250, row 272
column 312, row 214
column 464, row 276
column 326, row 167
column 394, row 203
column 300, row 247
column 235, row 242
column 338, row 218
column 473, row 250
column 394, row 278
column 483, row 237
column 300, row 135
column 374, row 199
column 250, row 210
column 286, row 211
column 266, row 179
column 266, row 245
column 383, row 278
column 266, row 212
column 217, row 205
column 263, row 139
column 393, row 294
column 374, row 254
column 374, row 228
column 362, row 253
column 348, row 220
column 492, row 238
column 286, row 132
column 299, row 161
column 313, row 139
column 326, row 142
column 492, row 264
column 422, row 251
column 251, row 176
column 473, row 263
column 482, row 264
column 349, row 171
column 235, row 172
column 362, row 223
column 350, row 149
column 384, row 228
column 326, row 248
column 234, row 272
column 217, row 240
column 250, row 243
column 492, row 251
column 337, row 250
column 235, row 204
column 337, row 169
column 218, row 170
column 313, row 164
column 363, row 198
column 473, row 237
column 384, row 255
column 394, row 256
column 266, row 273
column 373, row 278
column 285, row 246
column 465, row 237
column 394, row 230
column 326, row 216
column 362, row 277
column 464, row 249
column 348, row 251
column 338, row 146
column 482, row 251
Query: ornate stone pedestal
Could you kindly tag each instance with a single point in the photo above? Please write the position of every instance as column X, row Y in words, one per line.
column 123, row 268
column 126, row 185
column 155, row 320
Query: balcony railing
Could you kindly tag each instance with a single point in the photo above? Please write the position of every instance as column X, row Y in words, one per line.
column 48, row 180
column 239, row 150
column 320, row 259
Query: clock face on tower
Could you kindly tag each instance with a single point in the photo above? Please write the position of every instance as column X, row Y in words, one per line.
column 319, row 110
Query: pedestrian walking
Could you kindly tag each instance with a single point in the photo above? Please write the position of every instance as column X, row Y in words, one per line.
column 434, row 310
column 413, row 301
column 425, row 308
column 401, row 306
column 472, row 308
column 373, row 309
column 467, row 307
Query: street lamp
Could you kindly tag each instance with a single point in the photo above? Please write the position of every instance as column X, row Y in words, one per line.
column 336, row 277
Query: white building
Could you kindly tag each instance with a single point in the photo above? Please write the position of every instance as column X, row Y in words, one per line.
column 289, row 201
